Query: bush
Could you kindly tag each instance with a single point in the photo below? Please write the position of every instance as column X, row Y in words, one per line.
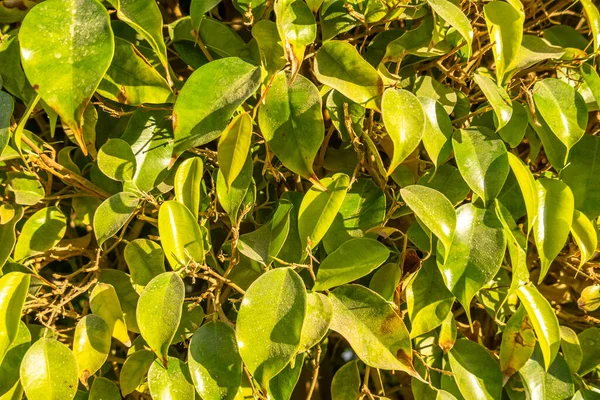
column 299, row 199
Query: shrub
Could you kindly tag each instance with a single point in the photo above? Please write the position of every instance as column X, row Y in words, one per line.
column 299, row 199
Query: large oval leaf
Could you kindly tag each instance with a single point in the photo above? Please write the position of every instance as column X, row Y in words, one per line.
column 209, row 98
column 42, row 231
column 172, row 382
column 438, row 130
column 563, row 109
column 159, row 312
column 352, row 260
column 554, row 219
column 105, row 303
column 539, row 384
column 476, row 373
column 112, row 214
column 91, row 345
column 78, row 36
column 404, row 121
column 180, row 235
column 234, row 145
column 582, row 174
column 433, row 209
column 13, row 291
column 482, row 160
column 339, row 65
column 319, row 208
column 116, row 160
column 372, row 327
column 291, row 122
column 265, row 343
column 346, row 382
column 145, row 260
column 231, row 199
column 49, row 371
column 214, row 362
column 134, row 370
column 475, row 255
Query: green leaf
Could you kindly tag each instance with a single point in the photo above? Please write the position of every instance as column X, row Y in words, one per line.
column 9, row 366
column 590, row 345
column 91, row 345
column 346, row 382
column 448, row 333
column 554, row 219
column 319, row 208
column 505, row 27
column 282, row 385
column 514, row 131
column 581, row 174
column 104, row 389
column 128, row 297
column 448, row 181
column 192, row 316
column 339, row 65
column 232, row 199
column 518, row 342
column 533, row 50
column 438, row 130
column 476, row 373
column 528, row 187
column 49, row 371
column 563, row 109
column 585, row 235
column 544, row 322
column 214, row 362
column 9, row 216
column 372, row 327
column 433, row 209
column 200, row 7
column 269, row 322
column 482, row 160
column 13, row 291
column 590, row 298
column 134, row 370
column 159, row 312
column 150, row 135
column 66, row 48
column 297, row 29
column 6, row 110
column 385, row 280
column 291, row 122
column 145, row 17
column 427, row 298
column 319, row 314
column 41, row 232
column 188, row 184
column 145, row 260
column 336, row 103
column 234, row 145
column 180, row 235
column 172, row 383
column 132, row 80
column 224, row 84
column 271, row 49
column 404, row 121
column 571, row 348
column 220, row 39
column 116, row 160
column 105, row 303
column 556, row 383
column 27, row 189
column 593, row 17
column 497, row 97
column 453, row 15
column 112, row 214
column 352, row 260
column 475, row 255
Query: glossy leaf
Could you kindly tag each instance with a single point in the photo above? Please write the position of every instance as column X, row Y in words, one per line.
column 282, row 385
column 482, row 160
column 590, row 345
column 188, row 184
column 544, row 322
column 134, row 370
column 319, row 314
column 234, row 145
column 172, row 383
column 105, row 303
column 319, row 208
column 571, row 348
column 556, row 383
column 214, row 362
column 433, row 209
column 225, row 84
column 585, row 235
column 6, row 110
column 339, row 65
column 590, row 298
column 404, row 121
column 497, row 97
column 505, row 26
column 475, row 255
column 112, row 214
column 9, row 216
column 116, row 160
column 180, row 235
column 291, row 121
column 373, row 329
column 456, row 18
column 128, row 297
column 438, row 130
column 91, row 345
column 582, row 175
column 266, row 346
column 297, row 29
column 79, row 36
column 554, row 219
column 104, row 389
column 270, row 45
column 232, row 199
column 351, row 261
column 518, row 342
column 13, row 291
column 11, row 362
column 42, row 231
column 476, row 373
column 159, row 312
column 49, row 371
column 528, row 188
column 593, row 17
column 145, row 260
column 385, row 280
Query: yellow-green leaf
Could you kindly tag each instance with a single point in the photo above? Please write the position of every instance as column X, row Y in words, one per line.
column 234, row 145
column 13, row 291
column 180, row 235
column 105, row 303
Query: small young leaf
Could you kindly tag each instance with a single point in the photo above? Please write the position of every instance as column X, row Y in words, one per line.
column 159, row 312
column 528, row 187
column 116, row 160
column 234, row 145
column 91, row 345
column 497, row 97
column 112, row 214
column 476, row 373
column 105, row 303
column 571, row 348
column 188, row 184
column 145, row 260
column 585, row 235
column 134, row 370
column 180, row 235
column 518, row 342
column 9, row 216
column 438, row 130
column 13, row 291
column 456, row 18
column 231, row 199
column 297, row 29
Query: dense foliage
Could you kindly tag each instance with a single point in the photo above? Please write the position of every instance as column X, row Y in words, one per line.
column 345, row 199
